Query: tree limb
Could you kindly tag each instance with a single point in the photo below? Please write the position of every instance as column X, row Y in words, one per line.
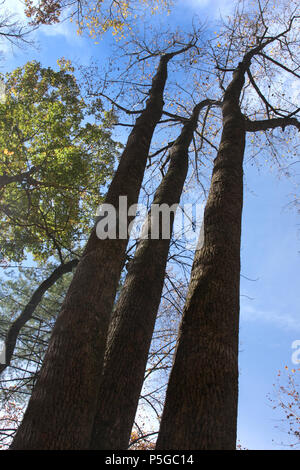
column 28, row 311
column 8, row 179
column 263, row 125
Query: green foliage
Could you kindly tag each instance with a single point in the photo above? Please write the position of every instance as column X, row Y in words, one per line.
column 61, row 142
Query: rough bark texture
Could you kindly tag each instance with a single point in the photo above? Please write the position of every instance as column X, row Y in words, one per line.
column 61, row 410
column 201, row 403
column 135, row 314
column 29, row 309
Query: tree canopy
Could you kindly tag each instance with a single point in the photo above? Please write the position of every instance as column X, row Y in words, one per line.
column 56, row 156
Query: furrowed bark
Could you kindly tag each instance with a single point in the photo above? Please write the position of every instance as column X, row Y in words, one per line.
column 200, row 410
column 61, row 410
column 134, row 318
column 29, row 309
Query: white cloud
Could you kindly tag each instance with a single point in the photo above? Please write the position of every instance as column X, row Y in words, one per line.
column 65, row 29
column 15, row 10
column 286, row 321
column 14, row 7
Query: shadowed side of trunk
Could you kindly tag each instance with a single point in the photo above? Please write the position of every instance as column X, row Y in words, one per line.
column 62, row 406
column 200, row 410
column 135, row 314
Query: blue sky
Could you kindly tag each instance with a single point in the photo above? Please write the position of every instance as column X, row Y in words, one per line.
column 270, row 319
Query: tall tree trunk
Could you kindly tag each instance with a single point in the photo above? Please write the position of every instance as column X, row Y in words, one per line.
column 61, row 410
column 135, row 314
column 200, row 410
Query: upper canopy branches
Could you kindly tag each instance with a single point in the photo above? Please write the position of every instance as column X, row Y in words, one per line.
column 94, row 16
column 263, row 43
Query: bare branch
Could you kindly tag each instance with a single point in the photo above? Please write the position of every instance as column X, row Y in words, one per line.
column 22, row 319
column 263, row 125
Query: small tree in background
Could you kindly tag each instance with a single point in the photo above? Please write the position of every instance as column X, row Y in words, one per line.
column 286, row 399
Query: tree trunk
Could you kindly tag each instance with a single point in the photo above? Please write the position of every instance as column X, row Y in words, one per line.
column 200, row 410
column 61, row 410
column 135, row 314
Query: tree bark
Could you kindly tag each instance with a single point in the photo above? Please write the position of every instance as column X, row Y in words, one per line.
column 61, row 410
column 135, row 314
column 200, row 410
